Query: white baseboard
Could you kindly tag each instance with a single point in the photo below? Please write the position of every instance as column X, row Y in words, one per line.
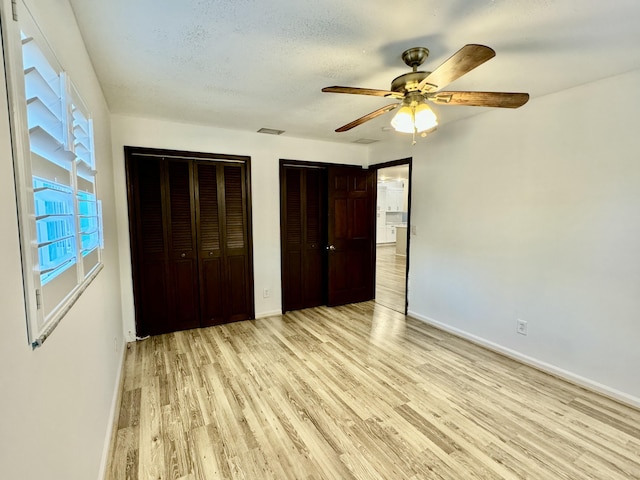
column 533, row 362
column 268, row 314
column 115, row 407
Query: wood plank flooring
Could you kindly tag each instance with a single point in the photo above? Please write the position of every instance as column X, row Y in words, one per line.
column 390, row 278
column 356, row 392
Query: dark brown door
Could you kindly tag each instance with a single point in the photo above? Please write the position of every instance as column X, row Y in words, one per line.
column 182, row 256
column 239, row 289
column 223, row 244
column 190, row 234
column 149, row 242
column 210, row 247
column 303, row 228
column 351, row 259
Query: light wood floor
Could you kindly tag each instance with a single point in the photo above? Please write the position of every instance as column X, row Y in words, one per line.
column 356, row 392
column 390, row 278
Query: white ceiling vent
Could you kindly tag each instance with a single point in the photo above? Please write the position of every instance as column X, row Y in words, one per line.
column 364, row 141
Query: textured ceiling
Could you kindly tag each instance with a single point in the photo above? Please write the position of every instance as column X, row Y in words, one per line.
column 247, row 64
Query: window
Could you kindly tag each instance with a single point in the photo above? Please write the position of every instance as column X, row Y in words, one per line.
column 60, row 214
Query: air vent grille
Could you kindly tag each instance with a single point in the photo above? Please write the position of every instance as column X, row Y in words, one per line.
column 271, row 131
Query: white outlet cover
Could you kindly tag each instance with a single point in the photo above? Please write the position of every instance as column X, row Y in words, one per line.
column 521, row 327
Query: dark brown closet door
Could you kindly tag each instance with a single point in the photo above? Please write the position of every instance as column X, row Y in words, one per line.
column 150, row 266
column 182, row 288
column 314, row 240
column 191, row 243
column 350, row 235
column 236, row 245
column 211, row 261
column 303, row 233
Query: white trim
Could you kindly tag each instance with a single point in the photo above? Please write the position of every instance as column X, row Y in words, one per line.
column 113, row 412
column 271, row 313
column 533, row 362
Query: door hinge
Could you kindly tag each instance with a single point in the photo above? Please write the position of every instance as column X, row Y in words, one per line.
column 14, row 10
column 38, row 299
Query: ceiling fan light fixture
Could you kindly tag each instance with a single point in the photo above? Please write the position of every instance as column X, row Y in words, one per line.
column 403, row 120
column 425, row 119
column 415, row 117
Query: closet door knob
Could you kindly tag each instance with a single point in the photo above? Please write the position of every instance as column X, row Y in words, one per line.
column 183, row 255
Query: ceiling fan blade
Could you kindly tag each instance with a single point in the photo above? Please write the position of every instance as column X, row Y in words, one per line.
column 367, row 117
column 480, row 99
column 363, row 91
column 463, row 61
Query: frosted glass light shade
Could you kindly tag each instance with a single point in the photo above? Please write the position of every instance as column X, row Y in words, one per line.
column 425, row 118
column 403, row 120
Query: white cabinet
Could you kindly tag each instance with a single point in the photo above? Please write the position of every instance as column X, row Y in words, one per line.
column 382, row 198
column 391, row 234
column 395, row 200
column 390, row 199
column 390, row 205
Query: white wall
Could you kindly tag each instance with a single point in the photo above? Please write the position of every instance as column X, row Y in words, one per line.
column 535, row 214
column 56, row 400
column 265, row 152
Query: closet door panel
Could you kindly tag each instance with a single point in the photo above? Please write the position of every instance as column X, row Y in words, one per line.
column 150, row 254
column 293, row 297
column 235, row 248
column 183, row 269
column 303, row 237
column 313, row 238
column 209, row 244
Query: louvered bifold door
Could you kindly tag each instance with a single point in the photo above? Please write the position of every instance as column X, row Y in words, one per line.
column 150, row 274
column 238, row 302
column 314, row 238
column 190, row 230
column 211, row 260
column 303, row 233
column 182, row 255
column 292, row 273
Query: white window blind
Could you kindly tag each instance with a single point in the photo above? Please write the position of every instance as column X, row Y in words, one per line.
column 60, row 214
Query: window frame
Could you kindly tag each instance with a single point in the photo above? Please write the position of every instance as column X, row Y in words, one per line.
column 43, row 318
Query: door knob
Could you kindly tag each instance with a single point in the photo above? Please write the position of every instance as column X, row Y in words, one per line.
column 331, row 248
column 183, row 255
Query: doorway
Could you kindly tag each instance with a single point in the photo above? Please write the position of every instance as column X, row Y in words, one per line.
column 393, row 185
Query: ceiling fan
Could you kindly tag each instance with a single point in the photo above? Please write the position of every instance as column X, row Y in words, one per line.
column 413, row 89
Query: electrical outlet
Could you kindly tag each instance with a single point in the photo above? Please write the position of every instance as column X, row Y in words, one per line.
column 414, row 230
column 266, row 293
column 521, row 327
column 115, row 344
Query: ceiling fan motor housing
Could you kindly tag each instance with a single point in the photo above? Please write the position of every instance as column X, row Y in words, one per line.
column 408, row 82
